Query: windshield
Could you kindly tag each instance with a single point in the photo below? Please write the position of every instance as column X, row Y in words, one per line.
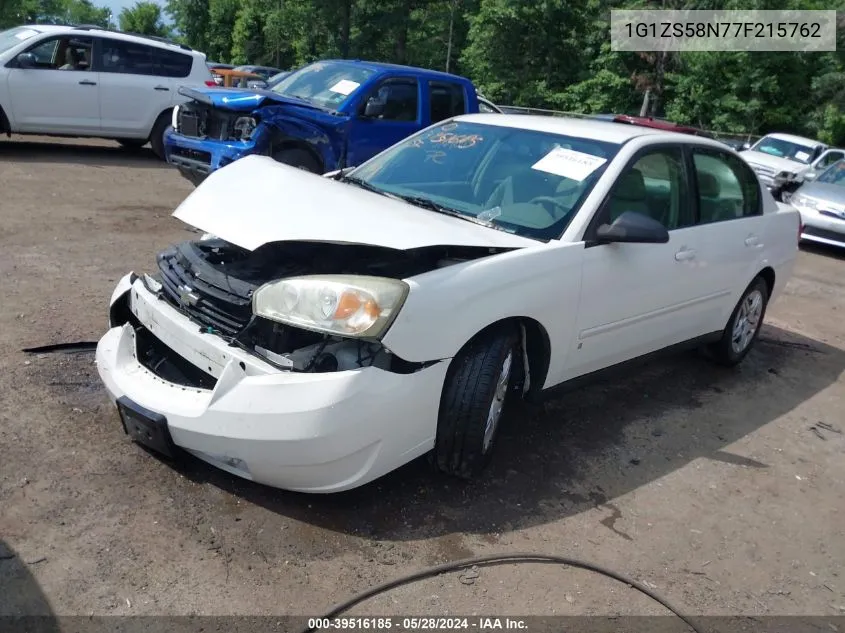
column 326, row 84
column 13, row 37
column 522, row 181
column 785, row 149
column 834, row 175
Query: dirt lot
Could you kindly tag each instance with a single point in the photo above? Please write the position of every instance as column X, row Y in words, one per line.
column 708, row 484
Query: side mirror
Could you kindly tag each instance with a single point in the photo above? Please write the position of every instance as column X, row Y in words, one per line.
column 746, row 146
column 809, row 175
column 374, row 108
column 633, row 227
column 26, row 60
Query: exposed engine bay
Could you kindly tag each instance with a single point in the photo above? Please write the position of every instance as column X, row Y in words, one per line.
column 212, row 282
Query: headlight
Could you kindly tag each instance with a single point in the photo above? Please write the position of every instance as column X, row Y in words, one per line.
column 244, row 127
column 786, row 175
column 348, row 305
column 174, row 119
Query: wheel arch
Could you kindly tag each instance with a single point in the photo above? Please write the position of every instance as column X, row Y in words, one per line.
column 5, row 126
column 768, row 275
column 536, row 348
column 168, row 112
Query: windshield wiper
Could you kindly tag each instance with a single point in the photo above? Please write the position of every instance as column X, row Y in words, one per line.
column 431, row 205
column 360, row 182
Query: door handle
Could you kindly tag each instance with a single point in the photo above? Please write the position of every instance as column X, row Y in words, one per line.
column 753, row 240
column 87, row 82
column 161, row 88
column 685, row 254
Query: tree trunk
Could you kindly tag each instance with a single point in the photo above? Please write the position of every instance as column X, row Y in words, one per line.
column 402, row 35
column 345, row 27
column 451, row 32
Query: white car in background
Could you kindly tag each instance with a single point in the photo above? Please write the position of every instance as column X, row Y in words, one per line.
column 777, row 158
column 339, row 326
column 84, row 81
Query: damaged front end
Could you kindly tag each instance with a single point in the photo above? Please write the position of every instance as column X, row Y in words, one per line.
column 214, row 283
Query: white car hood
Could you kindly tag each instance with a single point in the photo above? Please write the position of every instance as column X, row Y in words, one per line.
column 773, row 162
column 255, row 201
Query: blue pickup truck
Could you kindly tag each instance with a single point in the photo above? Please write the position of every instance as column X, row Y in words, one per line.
column 325, row 116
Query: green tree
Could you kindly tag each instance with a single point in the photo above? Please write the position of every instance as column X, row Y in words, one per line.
column 144, row 18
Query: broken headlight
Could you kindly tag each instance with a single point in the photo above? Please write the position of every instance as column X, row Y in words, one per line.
column 347, row 305
column 243, row 127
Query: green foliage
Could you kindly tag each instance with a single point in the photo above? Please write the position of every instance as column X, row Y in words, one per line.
column 538, row 53
column 144, row 18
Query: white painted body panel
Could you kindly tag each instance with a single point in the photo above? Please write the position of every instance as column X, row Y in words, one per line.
column 292, row 204
column 599, row 305
column 306, row 432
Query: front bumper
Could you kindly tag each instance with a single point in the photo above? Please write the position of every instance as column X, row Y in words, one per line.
column 196, row 158
column 309, row 432
column 822, row 229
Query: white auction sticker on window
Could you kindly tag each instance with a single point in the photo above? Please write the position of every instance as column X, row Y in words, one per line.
column 345, row 86
column 802, row 155
column 569, row 163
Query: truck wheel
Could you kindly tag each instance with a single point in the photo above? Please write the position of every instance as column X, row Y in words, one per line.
column 299, row 158
column 157, row 135
column 472, row 404
column 743, row 326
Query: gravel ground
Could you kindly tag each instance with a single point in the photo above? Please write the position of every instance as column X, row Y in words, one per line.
column 715, row 487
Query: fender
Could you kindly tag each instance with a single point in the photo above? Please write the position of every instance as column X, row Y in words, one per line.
column 327, row 142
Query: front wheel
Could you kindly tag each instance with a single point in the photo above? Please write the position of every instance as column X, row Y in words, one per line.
column 743, row 326
column 473, row 402
column 299, row 158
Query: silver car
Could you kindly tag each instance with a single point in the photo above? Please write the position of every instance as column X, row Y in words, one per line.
column 821, row 203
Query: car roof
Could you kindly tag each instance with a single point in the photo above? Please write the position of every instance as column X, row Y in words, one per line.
column 593, row 129
column 794, row 139
column 385, row 67
column 117, row 35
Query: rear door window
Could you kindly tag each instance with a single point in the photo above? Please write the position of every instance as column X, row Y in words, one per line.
column 129, row 58
column 448, row 99
column 727, row 188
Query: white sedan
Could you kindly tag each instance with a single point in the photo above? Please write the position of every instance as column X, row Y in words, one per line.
column 329, row 329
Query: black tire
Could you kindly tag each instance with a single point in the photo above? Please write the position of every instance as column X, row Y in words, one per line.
column 131, row 143
column 157, row 135
column 299, row 158
column 724, row 351
column 468, row 394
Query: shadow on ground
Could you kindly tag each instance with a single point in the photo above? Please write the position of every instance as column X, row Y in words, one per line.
column 577, row 452
column 22, row 151
column 825, row 250
column 20, row 594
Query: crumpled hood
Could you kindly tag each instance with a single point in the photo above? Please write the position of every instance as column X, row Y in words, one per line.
column 239, row 99
column 773, row 162
column 255, row 201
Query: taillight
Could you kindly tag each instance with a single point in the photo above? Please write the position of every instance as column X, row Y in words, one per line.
column 210, row 82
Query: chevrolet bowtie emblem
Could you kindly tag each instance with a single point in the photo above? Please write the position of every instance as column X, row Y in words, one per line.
column 187, row 296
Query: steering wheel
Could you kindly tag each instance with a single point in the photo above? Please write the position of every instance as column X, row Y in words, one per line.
column 554, row 203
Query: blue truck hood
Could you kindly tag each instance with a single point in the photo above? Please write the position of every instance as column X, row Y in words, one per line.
column 241, row 99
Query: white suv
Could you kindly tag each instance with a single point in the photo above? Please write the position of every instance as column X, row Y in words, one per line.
column 87, row 81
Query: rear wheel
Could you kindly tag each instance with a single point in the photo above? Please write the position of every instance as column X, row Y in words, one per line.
column 473, row 402
column 743, row 326
column 299, row 158
column 157, row 134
